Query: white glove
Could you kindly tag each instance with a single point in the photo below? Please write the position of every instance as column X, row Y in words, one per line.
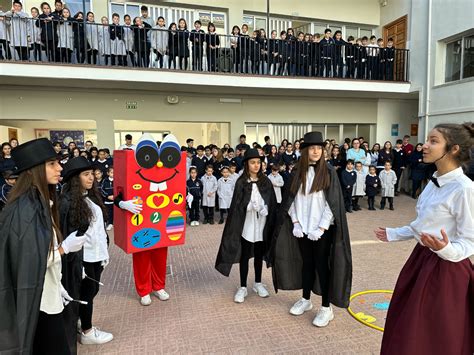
column 65, row 296
column 263, row 211
column 249, row 207
column 297, row 230
column 130, row 206
column 73, row 243
column 104, row 263
column 255, row 206
column 315, row 235
column 189, row 200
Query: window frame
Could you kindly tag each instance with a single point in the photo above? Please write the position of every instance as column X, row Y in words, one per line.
column 461, row 71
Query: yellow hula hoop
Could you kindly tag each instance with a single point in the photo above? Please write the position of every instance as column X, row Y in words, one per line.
column 351, row 312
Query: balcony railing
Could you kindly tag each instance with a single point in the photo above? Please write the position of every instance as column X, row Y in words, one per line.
column 52, row 40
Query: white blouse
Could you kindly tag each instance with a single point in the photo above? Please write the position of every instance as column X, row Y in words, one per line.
column 311, row 210
column 95, row 248
column 254, row 222
column 451, row 207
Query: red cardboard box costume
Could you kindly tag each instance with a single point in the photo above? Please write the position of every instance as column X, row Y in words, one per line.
column 153, row 178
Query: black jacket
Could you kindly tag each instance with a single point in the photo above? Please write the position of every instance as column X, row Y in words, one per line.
column 200, row 165
column 25, row 236
column 194, row 188
column 370, row 181
column 348, row 179
column 48, row 27
column 173, row 44
column 285, row 254
column 230, row 249
column 140, row 35
column 183, row 48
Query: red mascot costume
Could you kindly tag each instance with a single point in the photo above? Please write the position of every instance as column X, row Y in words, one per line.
column 150, row 185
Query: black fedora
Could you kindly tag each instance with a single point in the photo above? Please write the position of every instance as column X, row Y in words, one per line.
column 32, row 153
column 251, row 154
column 76, row 166
column 312, row 138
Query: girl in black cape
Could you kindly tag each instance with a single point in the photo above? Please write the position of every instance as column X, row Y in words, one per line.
column 311, row 246
column 249, row 225
column 32, row 298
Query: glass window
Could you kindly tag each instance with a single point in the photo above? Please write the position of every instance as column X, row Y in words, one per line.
column 262, row 132
column 365, row 32
column 133, row 11
column 248, row 20
column 319, row 28
column 349, row 131
column 260, row 23
column 119, row 9
column 332, row 133
column 218, row 20
column 364, row 131
column 351, row 31
column 453, row 61
column 205, row 18
column 251, row 133
column 335, row 28
column 468, row 57
column 75, row 6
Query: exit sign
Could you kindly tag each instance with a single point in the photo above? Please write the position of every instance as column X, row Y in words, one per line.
column 132, row 105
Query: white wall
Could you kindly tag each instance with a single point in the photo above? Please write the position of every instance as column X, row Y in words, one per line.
column 391, row 112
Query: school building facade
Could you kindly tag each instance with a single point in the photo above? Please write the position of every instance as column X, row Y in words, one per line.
column 106, row 103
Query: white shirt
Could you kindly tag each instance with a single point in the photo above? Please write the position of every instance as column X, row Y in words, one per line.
column 254, row 222
column 451, row 207
column 51, row 301
column 277, row 182
column 311, row 210
column 124, row 146
column 95, row 248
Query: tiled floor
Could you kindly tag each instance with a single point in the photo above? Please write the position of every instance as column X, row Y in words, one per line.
column 201, row 316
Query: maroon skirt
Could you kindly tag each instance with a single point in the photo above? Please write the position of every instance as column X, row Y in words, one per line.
column 432, row 307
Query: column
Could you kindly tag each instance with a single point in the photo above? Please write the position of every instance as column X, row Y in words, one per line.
column 105, row 133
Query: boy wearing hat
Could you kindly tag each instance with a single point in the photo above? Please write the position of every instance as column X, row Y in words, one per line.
column 10, row 179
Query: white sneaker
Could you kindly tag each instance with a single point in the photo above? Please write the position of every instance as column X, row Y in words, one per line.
column 196, row 223
column 162, row 295
column 95, row 336
column 324, row 316
column 192, row 224
column 109, row 227
column 240, row 295
column 260, row 290
column 301, row 306
column 145, row 300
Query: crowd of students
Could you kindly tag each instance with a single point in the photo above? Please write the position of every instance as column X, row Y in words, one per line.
column 142, row 42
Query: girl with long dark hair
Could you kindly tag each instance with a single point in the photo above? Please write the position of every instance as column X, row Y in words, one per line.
column 6, row 161
column 249, row 225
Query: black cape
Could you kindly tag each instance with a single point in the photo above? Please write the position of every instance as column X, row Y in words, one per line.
column 25, row 236
column 286, row 257
column 230, row 249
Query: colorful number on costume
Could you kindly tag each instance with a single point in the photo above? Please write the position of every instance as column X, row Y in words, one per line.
column 137, row 219
column 150, row 201
column 155, row 217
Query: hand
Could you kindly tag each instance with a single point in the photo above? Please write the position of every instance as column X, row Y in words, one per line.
column 209, row 194
column 65, row 296
column 298, row 231
column 131, row 206
column 110, row 198
column 189, row 200
column 433, row 242
column 263, row 211
column 73, row 243
column 255, row 206
column 381, row 234
column 104, row 263
column 315, row 235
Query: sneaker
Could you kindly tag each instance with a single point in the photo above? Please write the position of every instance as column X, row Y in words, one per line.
column 240, row 295
column 196, row 223
column 301, row 306
column 95, row 336
column 145, row 300
column 324, row 316
column 162, row 295
column 260, row 290
column 193, row 223
column 109, row 227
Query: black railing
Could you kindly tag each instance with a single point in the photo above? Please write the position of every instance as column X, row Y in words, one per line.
column 52, row 40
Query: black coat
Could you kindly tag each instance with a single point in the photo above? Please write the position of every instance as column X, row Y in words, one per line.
column 370, row 182
column 230, row 249
column 418, row 168
column 25, row 236
column 286, row 257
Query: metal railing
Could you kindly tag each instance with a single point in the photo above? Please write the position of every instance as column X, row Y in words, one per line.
column 53, row 40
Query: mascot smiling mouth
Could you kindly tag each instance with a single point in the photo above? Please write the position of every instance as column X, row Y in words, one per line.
column 157, row 185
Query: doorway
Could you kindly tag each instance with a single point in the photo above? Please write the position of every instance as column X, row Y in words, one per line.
column 397, row 30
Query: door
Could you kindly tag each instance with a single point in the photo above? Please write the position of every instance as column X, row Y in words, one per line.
column 398, row 31
column 12, row 133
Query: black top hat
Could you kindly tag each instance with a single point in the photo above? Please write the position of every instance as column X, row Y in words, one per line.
column 32, row 153
column 312, row 138
column 76, row 166
column 251, row 154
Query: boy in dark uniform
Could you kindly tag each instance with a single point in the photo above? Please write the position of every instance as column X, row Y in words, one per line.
column 372, row 184
column 389, row 59
column 350, row 57
column 283, row 57
column 194, row 188
column 289, row 157
column 327, row 53
column 107, row 191
column 338, row 64
column 315, row 55
column 361, row 53
column 382, row 59
column 190, row 148
column 399, row 162
column 200, row 161
column 10, row 180
column 102, row 163
column 197, row 37
column 348, row 179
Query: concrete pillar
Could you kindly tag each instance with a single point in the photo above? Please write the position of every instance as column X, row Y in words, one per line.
column 106, row 133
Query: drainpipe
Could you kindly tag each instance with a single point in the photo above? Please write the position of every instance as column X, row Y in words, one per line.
column 428, row 71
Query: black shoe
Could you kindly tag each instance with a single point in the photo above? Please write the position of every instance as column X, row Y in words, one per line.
column 221, row 221
column 349, row 210
column 397, row 193
column 211, row 221
column 382, row 207
column 205, row 221
column 391, row 208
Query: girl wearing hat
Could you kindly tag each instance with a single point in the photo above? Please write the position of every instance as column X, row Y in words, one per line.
column 249, row 225
column 311, row 247
column 432, row 307
column 31, row 246
column 81, row 208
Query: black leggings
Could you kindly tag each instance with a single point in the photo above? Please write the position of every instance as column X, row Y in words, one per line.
column 89, row 290
column 50, row 336
column 258, row 251
column 315, row 256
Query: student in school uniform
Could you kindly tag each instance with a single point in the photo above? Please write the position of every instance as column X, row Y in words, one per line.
column 102, row 163
column 372, row 58
column 277, row 182
column 385, row 154
column 107, row 191
column 273, row 53
column 183, row 44
column 172, row 45
column 249, row 226
column 389, row 58
column 105, row 48
column 358, row 191
column 244, row 44
column 289, row 156
column 129, row 40
column 200, row 161
column 92, row 35
column 4, row 38
column 209, row 183
column 225, row 190
column 348, row 180
column 338, row 63
column 35, row 36
column 361, row 57
column 417, row 169
column 10, row 180
column 350, row 56
column 194, row 187
column 197, row 38
column 17, row 29
column 398, row 162
column 372, row 184
column 65, row 36
column 336, row 161
column 212, row 47
column 283, row 54
column 142, row 44
column 326, row 46
column 159, row 41
column 388, row 179
column 433, row 297
column 254, row 52
column 382, row 59
column 315, row 55
column 118, row 50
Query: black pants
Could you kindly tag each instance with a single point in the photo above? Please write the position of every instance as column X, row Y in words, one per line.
column 80, row 54
column 371, row 202
column 208, row 213
column 362, row 69
column 36, row 48
column 384, row 200
column 51, row 51
column 6, row 47
column 89, row 290
column 22, row 52
column 372, row 70
column 355, row 201
column 172, row 60
column 350, row 67
column 398, row 172
column 224, row 211
column 183, row 63
column 347, row 194
column 315, row 256
column 110, row 213
column 197, row 58
column 50, row 336
column 159, row 58
column 120, row 60
column 92, row 56
column 258, row 252
column 143, row 60
column 389, row 70
column 132, row 58
column 212, row 55
column 338, row 66
column 416, row 184
column 194, row 211
column 65, row 55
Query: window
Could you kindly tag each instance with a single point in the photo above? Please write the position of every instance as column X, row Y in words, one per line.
column 119, row 9
column 351, row 31
column 76, row 6
column 365, row 32
column 453, row 61
column 468, row 57
column 260, row 23
column 459, row 59
column 319, row 28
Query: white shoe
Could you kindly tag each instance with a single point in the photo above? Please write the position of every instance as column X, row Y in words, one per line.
column 301, row 306
column 95, row 336
column 79, row 327
column 145, row 300
column 193, row 223
column 109, row 227
column 240, row 295
column 260, row 290
column 162, row 295
column 196, row 223
column 324, row 316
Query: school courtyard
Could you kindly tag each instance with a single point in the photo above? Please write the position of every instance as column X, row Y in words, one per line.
column 201, row 317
